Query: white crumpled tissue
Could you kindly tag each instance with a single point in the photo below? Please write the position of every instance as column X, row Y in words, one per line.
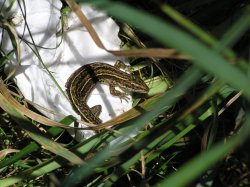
column 61, row 54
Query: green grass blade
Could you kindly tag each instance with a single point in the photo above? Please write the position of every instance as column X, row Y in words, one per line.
column 36, row 134
column 21, row 154
column 205, row 37
column 164, row 135
column 235, row 32
column 185, row 82
column 14, row 37
column 83, row 148
column 32, row 147
column 166, row 33
column 207, row 159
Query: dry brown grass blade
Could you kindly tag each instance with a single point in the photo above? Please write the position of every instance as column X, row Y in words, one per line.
column 149, row 52
column 36, row 134
column 26, row 112
column 41, row 108
column 5, row 152
column 132, row 113
column 76, row 8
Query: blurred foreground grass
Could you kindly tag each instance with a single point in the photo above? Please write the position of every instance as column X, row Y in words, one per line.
column 194, row 134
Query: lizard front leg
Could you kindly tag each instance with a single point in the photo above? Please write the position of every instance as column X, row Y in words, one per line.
column 118, row 93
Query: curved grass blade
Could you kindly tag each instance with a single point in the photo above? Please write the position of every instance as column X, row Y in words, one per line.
column 185, row 82
column 85, row 149
column 166, row 33
column 14, row 38
column 24, row 111
column 168, row 133
column 36, row 134
column 32, row 147
column 207, row 159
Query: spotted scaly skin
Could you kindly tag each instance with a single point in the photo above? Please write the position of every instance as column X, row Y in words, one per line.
column 81, row 83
